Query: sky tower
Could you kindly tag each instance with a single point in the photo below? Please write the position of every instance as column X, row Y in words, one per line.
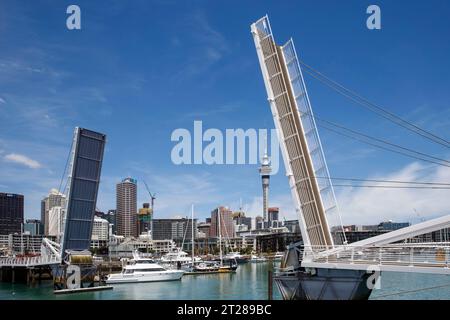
column 265, row 171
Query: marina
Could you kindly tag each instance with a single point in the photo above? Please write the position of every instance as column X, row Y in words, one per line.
column 249, row 282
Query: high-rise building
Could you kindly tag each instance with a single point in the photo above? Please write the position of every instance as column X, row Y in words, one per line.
column 265, row 171
column 54, row 199
column 226, row 223
column 33, row 227
column 56, row 217
column 11, row 213
column 126, row 208
column 100, row 229
column 144, row 218
column 174, row 229
column 111, row 217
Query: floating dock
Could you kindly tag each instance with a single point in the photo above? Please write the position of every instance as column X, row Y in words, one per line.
column 209, row 272
column 99, row 288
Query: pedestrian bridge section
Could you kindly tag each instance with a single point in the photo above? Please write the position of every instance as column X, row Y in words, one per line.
column 84, row 179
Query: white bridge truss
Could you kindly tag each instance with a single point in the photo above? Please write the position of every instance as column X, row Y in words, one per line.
column 314, row 198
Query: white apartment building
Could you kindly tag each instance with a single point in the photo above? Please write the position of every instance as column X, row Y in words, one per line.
column 56, row 217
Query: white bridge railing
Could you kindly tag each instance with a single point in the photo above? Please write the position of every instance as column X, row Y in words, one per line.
column 419, row 255
column 29, row 261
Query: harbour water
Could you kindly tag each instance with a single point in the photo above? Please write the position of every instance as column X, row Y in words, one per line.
column 249, row 283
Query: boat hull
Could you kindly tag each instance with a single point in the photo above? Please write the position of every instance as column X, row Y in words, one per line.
column 133, row 278
column 325, row 284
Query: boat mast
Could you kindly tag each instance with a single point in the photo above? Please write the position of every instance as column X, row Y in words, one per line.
column 192, row 227
column 220, row 237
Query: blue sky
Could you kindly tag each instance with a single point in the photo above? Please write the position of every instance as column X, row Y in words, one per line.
column 137, row 70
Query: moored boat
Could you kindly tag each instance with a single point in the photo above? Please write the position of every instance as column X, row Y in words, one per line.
column 144, row 270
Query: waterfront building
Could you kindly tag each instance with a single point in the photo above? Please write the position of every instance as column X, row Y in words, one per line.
column 120, row 247
column 276, row 241
column 292, row 225
column 259, row 223
column 175, row 229
column 391, row 226
column 11, row 213
column 240, row 227
column 100, row 229
column 126, row 206
column 56, row 216
column 111, row 217
column 201, row 234
column 240, row 218
column 54, row 199
column 33, row 227
column 204, row 227
column 273, row 214
column 226, row 223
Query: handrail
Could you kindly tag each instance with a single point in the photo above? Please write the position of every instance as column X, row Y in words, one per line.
column 429, row 255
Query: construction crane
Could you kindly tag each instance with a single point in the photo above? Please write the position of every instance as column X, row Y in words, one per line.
column 152, row 197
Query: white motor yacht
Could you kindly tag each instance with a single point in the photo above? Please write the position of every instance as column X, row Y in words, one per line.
column 178, row 257
column 236, row 256
column 144, row 270
column 255, row 258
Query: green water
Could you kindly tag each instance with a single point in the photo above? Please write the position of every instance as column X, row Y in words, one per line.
column 249, row 282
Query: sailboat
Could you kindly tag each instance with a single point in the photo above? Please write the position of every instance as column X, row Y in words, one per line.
column 230, row 265
column 197, row 266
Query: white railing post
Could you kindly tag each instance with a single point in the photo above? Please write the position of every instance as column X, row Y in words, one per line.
column 411, row 257
column 352, row 256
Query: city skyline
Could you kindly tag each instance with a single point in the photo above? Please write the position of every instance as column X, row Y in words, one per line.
column 129, row 88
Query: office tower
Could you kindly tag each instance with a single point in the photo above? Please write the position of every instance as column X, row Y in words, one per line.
column 54, row 199
column 226, row 223
column 33, row 227
column 11, row 213
column 174, row 229
column 265, row 171
column 126, row 208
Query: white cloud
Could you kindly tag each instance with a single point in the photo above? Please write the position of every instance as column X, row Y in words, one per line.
column 21, row 159
column 372, row 205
